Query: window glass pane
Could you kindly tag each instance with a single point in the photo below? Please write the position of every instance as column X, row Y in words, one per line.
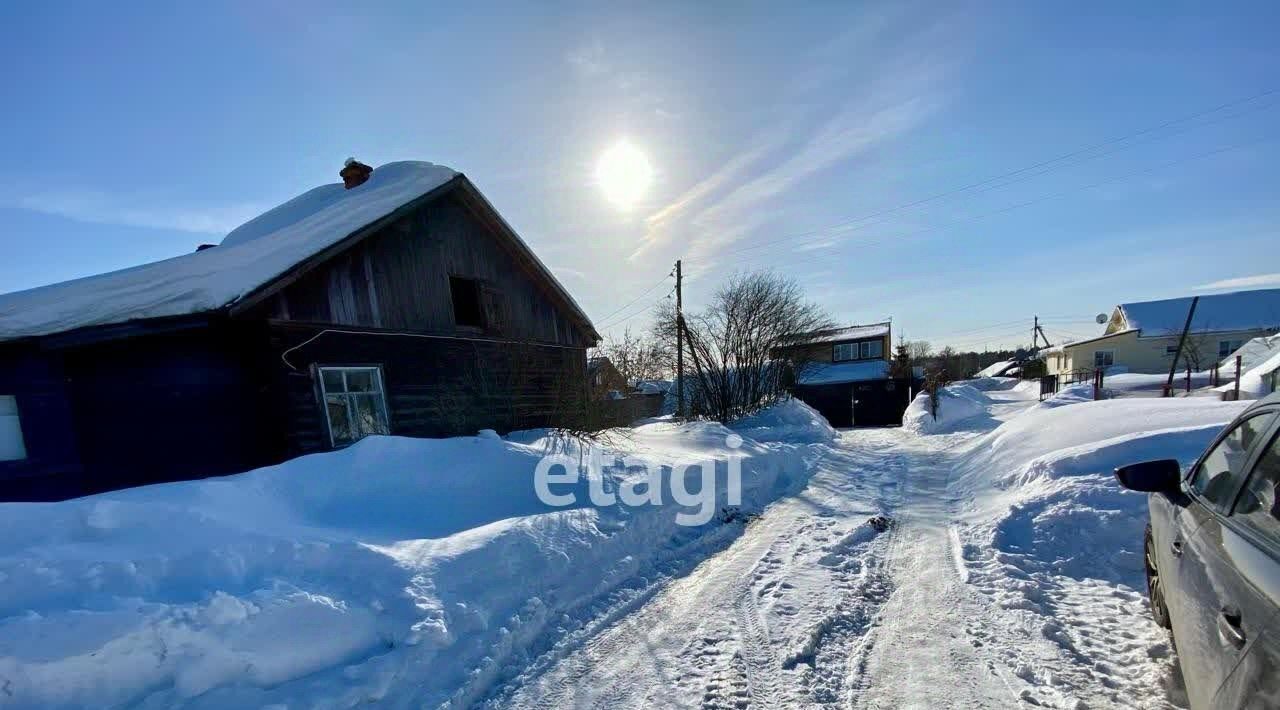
column 1259, row 505
column 360, row 381
column 12, row 446
column 341, row 423
column 332, row 381
column 1217, row 476
column 369, row 415
column 874, row 348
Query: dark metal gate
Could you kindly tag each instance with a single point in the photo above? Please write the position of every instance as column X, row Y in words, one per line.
column 867, row 403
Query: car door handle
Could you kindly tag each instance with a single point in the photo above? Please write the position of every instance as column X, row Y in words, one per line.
column 1176, row 548
column 1229, row 628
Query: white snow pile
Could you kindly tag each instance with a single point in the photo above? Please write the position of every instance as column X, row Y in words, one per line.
column 1053, row 539
column 250, row 256
column 791, row 421
column 398, row 571
column 1253, row 383
column 958, row 403
column 1071, row 394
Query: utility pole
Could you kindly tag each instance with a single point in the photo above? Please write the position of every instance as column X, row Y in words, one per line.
column 679, row 344
column 1037, row 334
column 1182, row 341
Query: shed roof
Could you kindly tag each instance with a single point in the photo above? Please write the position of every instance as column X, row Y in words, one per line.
column 249, row 258
column 1219, row 312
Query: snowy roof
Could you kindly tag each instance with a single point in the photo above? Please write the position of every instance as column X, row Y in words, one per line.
column 852, row 332
column 251, row 256
column 996, row 369
column 837, row 373
column 1085, row 341
column 1252, row 353
column 1221, row 312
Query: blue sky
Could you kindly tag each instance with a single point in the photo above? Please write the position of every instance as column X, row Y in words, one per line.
column 829, row 141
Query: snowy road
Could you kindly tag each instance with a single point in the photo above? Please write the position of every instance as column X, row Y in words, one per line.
column 813, row 605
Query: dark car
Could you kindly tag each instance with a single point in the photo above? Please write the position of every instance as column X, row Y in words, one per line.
column 1213, row 560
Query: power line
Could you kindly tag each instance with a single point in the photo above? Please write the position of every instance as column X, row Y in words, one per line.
column 643, row 293
column 644, row 308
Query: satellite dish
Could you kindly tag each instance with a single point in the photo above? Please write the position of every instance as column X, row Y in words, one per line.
column 1101, row 319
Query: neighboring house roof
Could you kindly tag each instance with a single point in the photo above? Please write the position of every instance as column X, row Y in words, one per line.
column 653, row 386
column 250, row 257
column 1221, row 312
column 851, row 332
column 1086, row 341
column 996, row 369
column 1252, row 353
column 841, row 372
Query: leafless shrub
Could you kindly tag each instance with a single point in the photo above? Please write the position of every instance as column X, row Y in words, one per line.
column 742, row 350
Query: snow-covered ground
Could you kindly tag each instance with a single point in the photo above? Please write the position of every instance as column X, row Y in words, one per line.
column 988, row 560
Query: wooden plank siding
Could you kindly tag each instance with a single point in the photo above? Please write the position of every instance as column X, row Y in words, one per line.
column 399, row 277
column 39, row 383
column 435, row 386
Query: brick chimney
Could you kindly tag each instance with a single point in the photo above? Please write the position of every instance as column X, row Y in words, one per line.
column 354, row 173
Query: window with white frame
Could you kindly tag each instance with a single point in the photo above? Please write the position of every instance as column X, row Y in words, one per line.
column 872, row 349
column 845, row 351
column 12, row 445
column 355, row 404
column 1104, row 358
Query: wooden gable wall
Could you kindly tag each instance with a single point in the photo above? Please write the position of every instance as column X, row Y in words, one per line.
column 398, row 279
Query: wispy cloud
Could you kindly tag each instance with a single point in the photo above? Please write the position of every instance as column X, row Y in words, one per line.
column 1241, row 282
column 900, row 94
column 589, row 59
column 102, row 208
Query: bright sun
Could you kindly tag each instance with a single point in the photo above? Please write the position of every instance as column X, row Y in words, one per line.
column 624, row 174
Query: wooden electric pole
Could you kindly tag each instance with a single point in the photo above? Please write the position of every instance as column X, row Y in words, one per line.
column 1182, row 341
column 679, row 344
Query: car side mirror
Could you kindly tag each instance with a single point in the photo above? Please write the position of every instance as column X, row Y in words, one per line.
column 1160, row 476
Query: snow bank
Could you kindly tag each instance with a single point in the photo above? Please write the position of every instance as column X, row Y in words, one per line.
column 791, row 420
column 1050, row 537
column 958, row 403
column 397, row 571
column 1253, row 383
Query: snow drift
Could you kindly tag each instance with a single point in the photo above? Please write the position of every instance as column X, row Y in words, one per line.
column 957, row 403
column 396, row 571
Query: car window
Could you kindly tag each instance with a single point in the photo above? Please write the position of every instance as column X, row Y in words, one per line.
column 1259, row 505
column 1222, row 468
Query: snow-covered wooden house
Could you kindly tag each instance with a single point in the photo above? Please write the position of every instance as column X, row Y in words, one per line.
column 398, row 301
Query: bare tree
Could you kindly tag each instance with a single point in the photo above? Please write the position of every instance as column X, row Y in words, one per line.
column 638, row 356
column 919, row 349
column 742, row 350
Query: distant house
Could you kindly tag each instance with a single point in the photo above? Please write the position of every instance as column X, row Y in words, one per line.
column 604, row 379
column 1143, row 337
column 398, row 302
column 846, row 376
